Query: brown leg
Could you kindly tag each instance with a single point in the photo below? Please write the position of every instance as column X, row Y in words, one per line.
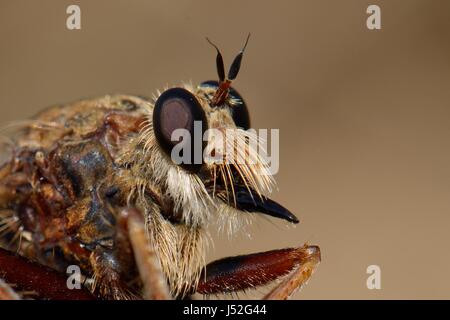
column 108, row 280
column 6, row 292
column 132, row 250
column 32, row 277
column 155, row 285
column 299, row 277
column 114, row 268
column 249, row 271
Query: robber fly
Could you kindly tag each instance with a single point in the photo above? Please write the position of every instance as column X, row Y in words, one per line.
column 93, row 184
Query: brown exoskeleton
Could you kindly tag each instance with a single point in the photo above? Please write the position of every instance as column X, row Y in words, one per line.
column 93, row 184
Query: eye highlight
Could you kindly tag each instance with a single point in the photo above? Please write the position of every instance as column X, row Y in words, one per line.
column 239, row 111
column 177, row 108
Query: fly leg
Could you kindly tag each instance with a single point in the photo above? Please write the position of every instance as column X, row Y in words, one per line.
column 133, row 251
column 28, row 276
column 299, row 277
column 6, row 292
column 108, row 281
column 114, row 267
column 233, row 274
column 153, row 280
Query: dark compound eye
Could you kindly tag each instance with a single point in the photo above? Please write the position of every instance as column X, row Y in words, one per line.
column 240, row 113
column 178, row 108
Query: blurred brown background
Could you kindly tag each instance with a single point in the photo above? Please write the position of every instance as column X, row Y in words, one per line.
column 363, row 115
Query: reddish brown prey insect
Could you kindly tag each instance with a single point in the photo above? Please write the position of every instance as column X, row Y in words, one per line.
column 94, row 184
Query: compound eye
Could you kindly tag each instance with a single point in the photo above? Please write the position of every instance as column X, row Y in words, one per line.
column 239, row 111
column 177, row 108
